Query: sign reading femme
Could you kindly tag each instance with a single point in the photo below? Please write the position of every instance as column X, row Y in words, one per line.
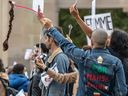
column 100, row 21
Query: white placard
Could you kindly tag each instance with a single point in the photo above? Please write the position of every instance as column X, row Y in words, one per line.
column 27, row 54
column 100, row 21
column 21, row 93
column 37, row 3
column 46, row 80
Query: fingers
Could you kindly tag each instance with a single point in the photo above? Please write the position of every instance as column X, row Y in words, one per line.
column 47, row 23
column 73, row 8
column 38, row 63
column 76, row 2
column 39, row 60
column 40, row 14
column 42, row 20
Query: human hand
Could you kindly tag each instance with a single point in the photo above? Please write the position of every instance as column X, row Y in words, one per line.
column 74, row 11
column 47, row 23
column 39, row 63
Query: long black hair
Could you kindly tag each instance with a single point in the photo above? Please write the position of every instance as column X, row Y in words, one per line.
column 119, row 42
column 11, row 13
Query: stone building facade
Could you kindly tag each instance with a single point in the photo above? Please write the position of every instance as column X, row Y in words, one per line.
column 26, row 28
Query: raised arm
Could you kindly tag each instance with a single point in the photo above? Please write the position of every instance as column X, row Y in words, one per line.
column 76, row 54
column 75, row 13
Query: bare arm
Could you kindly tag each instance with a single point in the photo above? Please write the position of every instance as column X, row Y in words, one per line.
column 75, row 13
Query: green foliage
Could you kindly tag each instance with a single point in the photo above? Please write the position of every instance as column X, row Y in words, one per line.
column 119, row 19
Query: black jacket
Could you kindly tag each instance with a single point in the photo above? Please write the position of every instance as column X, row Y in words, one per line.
column 34, row 89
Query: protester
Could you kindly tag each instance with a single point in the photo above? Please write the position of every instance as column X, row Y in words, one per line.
column 56, row 58
column 119, row 48
column 34, row 89
column 68, row 78
column 118, row 42
column 17, row 79
column 3, row 77
column 96, row 76
column 5, row 90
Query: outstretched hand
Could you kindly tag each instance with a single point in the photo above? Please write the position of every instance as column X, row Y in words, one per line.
column 47, row 23
column 74, row 11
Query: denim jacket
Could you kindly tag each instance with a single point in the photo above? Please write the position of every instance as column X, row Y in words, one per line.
column 55, row 88
column 79, row 56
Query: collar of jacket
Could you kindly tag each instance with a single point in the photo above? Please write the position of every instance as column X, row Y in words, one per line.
column 101, row 50
column 53, row 55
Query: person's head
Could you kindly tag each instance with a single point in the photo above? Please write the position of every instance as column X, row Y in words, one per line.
column 43, row 47
column 99, row 38
column 119, row 42
column 49, row 40
column 18, row 69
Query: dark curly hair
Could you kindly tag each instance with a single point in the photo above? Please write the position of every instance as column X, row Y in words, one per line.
column 49, row 36
column 119, row 42
column 18, row 69
column 43, row 47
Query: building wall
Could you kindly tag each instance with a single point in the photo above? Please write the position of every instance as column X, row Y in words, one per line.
column 26, row 28
column 3, row 29
column 87, row 3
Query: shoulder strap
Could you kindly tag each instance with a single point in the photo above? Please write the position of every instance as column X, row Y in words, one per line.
column 4, row 84
column 54, row 54
column 8, row 89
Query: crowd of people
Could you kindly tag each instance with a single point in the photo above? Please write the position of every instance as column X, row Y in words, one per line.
column 102, row 68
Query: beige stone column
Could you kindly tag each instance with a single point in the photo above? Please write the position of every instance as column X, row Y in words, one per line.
column 51, row 10
column 125, row 5
column 3, row 28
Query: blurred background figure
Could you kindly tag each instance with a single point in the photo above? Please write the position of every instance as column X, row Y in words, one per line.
column 35, row 77
column 17, row 78
column 5, row 90
column 3, row 77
